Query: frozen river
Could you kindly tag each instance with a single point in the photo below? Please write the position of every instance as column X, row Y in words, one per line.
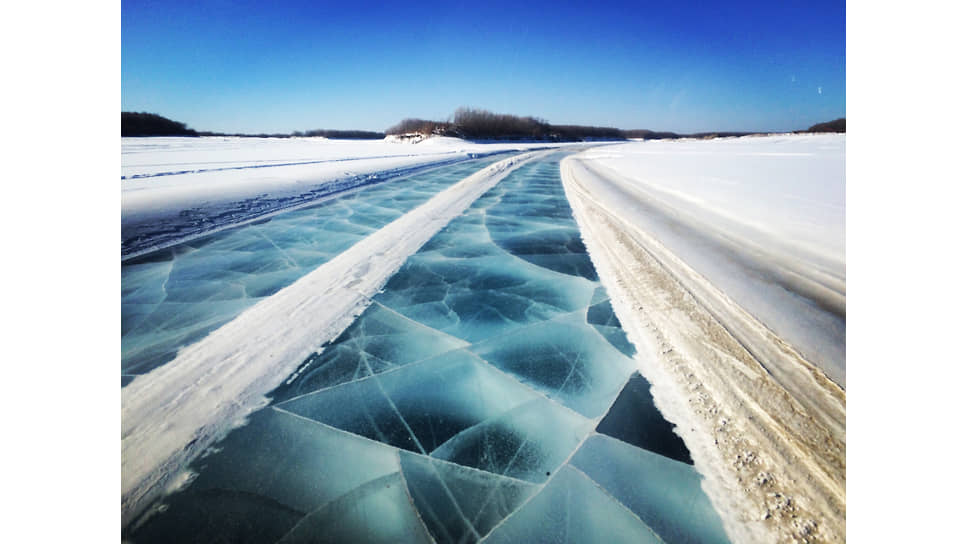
column 433, row 352
column 175, row 296
column 486, row 393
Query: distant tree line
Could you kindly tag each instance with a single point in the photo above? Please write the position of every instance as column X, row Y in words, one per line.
column 649, row 135
column 150, row 124
column 467, row 123
column 837, row 125
column 424, row 127
column 341, row 134
column 571, row 133
column 243, row 135
column 478, row 124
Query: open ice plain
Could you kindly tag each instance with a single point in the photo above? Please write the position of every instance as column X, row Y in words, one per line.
column 487, row 391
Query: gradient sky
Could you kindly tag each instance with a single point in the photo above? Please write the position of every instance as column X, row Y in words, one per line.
column 262, row 66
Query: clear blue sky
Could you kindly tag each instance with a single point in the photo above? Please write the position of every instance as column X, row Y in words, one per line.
column 261, row 66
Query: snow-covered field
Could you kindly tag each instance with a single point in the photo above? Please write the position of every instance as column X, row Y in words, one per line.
column 176, row 188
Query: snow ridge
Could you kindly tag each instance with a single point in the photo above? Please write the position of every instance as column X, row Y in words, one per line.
column 769, row 443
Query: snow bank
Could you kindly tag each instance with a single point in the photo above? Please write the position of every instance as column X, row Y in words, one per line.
column 147, row 157
column 762, row 218
column 172, row 414
column 766, row 429
column 195, row 169
column 789, row 188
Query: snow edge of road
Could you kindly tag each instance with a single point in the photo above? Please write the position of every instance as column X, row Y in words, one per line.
column 176, row 412
column 773, row 470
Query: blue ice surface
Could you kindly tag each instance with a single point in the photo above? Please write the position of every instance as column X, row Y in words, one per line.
column 571, row 508
column 488, row 393
column 174, row 297
column 662, row 492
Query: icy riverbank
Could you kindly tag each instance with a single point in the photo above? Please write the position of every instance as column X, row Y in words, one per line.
column 762, row 218
column 765, row 427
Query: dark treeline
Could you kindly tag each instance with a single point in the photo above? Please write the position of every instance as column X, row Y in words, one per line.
column 711, row 135
column 341, row 134
column 837, row 125
column 648, row 134
column 150, row 124
column 422, row 126
column 579, row 132
column 478, row 124
column 242, row 135
column 467, row 123
column 317, row 133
